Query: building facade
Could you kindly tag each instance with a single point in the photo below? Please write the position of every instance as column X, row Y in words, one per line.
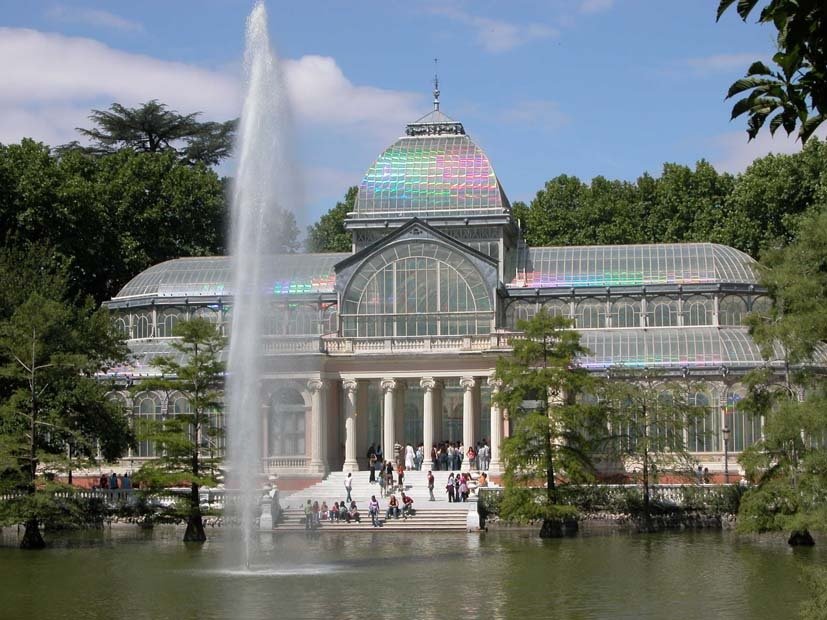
column 397, row 340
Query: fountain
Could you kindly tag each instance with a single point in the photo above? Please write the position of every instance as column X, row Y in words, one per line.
column 262, row 193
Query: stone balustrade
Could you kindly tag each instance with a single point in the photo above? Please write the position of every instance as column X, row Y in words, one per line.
column 332, row 345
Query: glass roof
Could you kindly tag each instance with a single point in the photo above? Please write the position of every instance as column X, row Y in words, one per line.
column 631, row 265
column 211, row 276
column 692, row 347
column 430, row 175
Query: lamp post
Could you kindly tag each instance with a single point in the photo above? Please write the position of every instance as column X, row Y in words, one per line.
column 726, row 433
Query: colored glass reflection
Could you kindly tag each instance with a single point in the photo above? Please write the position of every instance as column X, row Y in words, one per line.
column 429, row 176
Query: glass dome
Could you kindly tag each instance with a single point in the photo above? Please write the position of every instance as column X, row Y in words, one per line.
column 435, row 170
column 211, row 276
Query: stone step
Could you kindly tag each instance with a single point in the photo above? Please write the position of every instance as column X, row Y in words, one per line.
column 424, row 520
column 332, row 489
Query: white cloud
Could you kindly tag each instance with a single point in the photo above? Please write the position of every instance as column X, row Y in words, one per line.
column 50, row 82
column 723, row 62
column 595, row 6
column 536, row 113
column 495, row 35
column 321, row 94
column 93, row 17
column 735, row 153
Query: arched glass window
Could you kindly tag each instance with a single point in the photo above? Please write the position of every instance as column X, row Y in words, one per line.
column 519, row 311
column 275, row 319
column 697, row 311
column 661, row 312
column 141, row 325
column 591, row 314
column 210, row 313
column 558, row 307
column 626, row 313
column 147, row 409
column 761, row 305
column 732, row 310
column 302, row 319
column 704, row 431
column 330, row 319
column 745, row 428
column 167, row 320
column 287, row 424
column 417, row 289
column 122, row 326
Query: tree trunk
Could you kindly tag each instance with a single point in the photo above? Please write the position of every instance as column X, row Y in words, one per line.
column 647, row 508
column 32, row 538
column 801, row 538
column 195, row 523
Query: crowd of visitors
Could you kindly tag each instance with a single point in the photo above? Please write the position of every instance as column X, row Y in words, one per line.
column 115, row 481
column 315, row 513
column 445, row 456
column 458, row 487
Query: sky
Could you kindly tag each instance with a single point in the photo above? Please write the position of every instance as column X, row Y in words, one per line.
column 610, row 88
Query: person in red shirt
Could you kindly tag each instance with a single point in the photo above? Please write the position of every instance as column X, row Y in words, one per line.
column 407, row 505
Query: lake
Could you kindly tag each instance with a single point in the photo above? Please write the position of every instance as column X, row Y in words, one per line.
column 124, row 572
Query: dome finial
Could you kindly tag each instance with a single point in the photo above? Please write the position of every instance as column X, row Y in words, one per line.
column 436, row 86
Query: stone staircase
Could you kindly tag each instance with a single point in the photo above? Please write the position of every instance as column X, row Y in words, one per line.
column 439, row 515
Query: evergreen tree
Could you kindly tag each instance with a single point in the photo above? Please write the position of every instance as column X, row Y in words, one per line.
column 553, row 439
column 181, row 438
column 51, row 404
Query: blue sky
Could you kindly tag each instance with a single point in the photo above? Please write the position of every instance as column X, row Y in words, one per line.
column 583, row 87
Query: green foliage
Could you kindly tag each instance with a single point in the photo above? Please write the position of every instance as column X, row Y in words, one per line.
column 795, row 93
column 759, row 209
column 181, row 438
column 649, row 415
column 789, row 463
column 329, row 234
column 106, row 219
column 53, row 411
column 554, row 439
column 154, row 128
column 764, row 211
column 56, row 506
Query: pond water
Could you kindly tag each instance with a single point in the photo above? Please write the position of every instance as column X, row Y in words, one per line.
column 127, row 573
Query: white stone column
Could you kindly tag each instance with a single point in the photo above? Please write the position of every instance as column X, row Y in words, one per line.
column 495, row 466
column 467, row 384
column 399, row 414
column 317, row 421
column 265, row 435
column 428, row 385
column 389, row 417
column 362, row 421
column 351, row 464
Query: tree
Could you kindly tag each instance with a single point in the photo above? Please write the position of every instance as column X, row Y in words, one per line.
column 329, row 234
column 797, row 91
column 108, row 218
column 180, row 437
column 154, row 128
column 649, row 416
column 789, row 463
column 552, row 439
column 50, row 400
column 767, row 201
column 285, row 236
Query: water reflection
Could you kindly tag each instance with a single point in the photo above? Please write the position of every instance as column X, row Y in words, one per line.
column 130, row 573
